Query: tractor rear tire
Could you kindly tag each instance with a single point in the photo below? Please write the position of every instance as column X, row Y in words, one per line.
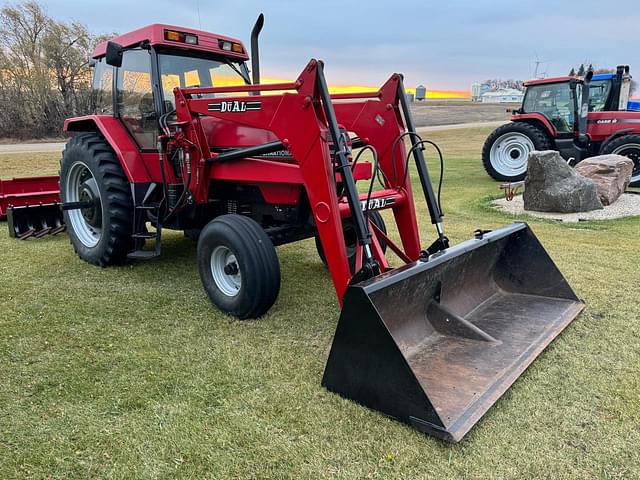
column 91, row 172
column 627, row 146
column 238, row 266
column 506, row 151
column 351, row 240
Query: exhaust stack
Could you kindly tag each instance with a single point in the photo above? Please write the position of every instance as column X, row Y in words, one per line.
column 255, row 51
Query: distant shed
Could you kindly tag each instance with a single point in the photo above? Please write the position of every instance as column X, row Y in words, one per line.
column 507, row 95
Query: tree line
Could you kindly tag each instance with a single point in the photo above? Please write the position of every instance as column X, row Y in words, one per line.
column 45, row 75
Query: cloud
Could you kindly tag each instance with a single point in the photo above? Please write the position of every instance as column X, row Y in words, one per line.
column 441, row 44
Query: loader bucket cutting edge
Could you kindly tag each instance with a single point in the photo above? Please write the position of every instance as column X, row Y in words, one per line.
column 435, row 344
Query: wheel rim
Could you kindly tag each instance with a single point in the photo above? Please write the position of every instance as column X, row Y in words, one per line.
column 632, row 152
column 81, row 186
column 226, row 271
column 509, row 154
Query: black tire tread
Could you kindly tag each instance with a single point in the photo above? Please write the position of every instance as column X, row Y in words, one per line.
column 116, row 195
column 260, row 255
column 610, row 145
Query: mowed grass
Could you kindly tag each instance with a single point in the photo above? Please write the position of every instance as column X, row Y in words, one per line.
column 129, row 372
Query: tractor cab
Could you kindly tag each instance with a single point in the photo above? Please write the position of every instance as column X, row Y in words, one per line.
column 562, row 99
column 609, row 92
column 556, row 99
column 143, row 68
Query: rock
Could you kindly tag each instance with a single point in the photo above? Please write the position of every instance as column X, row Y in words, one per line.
column 553, row 186
column 610, row 173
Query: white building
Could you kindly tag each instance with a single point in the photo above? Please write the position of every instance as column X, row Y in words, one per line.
column 507, row 95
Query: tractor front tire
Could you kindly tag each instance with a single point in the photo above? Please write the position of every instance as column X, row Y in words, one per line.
column 506, row 151
column 238, row 266
column 627, row 146
column 91, row 173
column 351, row 239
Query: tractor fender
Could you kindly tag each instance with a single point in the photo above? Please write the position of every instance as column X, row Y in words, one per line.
column 119, row 139
column 614, row 135
column 538, row 120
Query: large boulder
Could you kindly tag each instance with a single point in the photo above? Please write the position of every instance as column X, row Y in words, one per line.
column 553, row 186
column 611, row 174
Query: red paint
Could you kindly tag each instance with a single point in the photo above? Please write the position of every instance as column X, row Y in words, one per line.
column 154, row 34
column 305, row 171
column 536, row 117
column 604, row 124
column 296, row 119
column 19, row 192
column 544, row 81
column 135, row 167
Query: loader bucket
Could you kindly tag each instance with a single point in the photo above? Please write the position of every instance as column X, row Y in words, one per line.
column 35, row 221
column 436, row 343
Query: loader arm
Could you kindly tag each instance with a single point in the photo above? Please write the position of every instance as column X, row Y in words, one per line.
column 301, row 120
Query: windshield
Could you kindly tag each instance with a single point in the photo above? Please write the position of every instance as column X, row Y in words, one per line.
column 554, row 101
column 598, row 95
column 198, row 71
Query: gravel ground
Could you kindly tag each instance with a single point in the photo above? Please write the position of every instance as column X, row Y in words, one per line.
column 627, row 205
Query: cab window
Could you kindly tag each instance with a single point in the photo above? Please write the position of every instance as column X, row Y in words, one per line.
column 598, row 95
column 135, row 97
column 198, row 71
column 102, row 88
column 554, row 101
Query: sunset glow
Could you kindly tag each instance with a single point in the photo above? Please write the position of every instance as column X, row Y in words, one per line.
column 434, row 94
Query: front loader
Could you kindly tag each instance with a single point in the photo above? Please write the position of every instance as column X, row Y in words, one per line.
column 245, row 167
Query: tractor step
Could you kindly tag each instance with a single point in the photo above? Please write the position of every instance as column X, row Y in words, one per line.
column 144, row 235
column 148, row 206
column 143, row 255
column 140, row 232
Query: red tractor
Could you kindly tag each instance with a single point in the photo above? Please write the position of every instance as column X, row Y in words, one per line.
column 182, row 139
column 579, row 117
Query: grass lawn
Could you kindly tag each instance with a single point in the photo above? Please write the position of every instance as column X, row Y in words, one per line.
column 129, row 372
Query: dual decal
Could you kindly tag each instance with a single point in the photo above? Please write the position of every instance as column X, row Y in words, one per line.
column 234, row 106
column 377, row 203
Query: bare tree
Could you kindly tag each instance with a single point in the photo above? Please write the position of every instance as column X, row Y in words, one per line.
column 67, row 48
column 44, row 70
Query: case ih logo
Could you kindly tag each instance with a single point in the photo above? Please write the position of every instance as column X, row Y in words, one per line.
column 377, row 203
column 234, row 106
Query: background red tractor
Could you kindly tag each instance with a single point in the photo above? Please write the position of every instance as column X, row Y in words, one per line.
column 578, row 117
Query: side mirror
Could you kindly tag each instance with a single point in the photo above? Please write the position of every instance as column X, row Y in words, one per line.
column 114, row 54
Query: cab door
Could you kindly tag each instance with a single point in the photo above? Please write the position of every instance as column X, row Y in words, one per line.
column 135, row 103
column 555, row 101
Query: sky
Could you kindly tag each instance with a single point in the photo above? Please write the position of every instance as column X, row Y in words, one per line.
column 445, row 45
